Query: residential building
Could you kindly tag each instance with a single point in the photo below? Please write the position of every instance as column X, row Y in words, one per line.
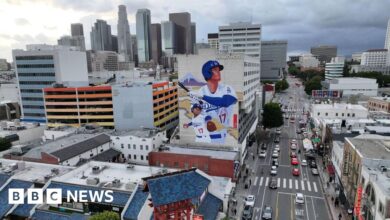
column 241, row 72
column 155, row 42
column 213, row 40
column 39, row 67
column 352, row 86
column 273, row 59
column 101, row 38
column 183, row 33
column 135, row 145
column 335, row 68
column 356, row 158
column 387, row 41
column 241, row 37
column 324, row 53
column 213, row 162
column 308, row 61
column 76, row 106
column 375, row 57
column 379, row 104
column 124, row 36
column 104, row 61
column 9, row 110
column 168, row 38
column 143, row 35
column 9, row 92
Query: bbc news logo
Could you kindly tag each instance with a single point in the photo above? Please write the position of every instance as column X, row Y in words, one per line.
column 54, row 196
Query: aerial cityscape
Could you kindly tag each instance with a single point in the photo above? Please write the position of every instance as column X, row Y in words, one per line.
column 217, row 110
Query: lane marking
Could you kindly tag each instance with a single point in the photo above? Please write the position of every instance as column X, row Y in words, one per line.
column 254, row 183
column 296, row 184
column 266, row 181
column 284, row 182
column 302, row 185
column 307, row 210
column 312, row 204
column 315, row 186
column 315, row 197
column 290, row 183
column 261, row 181
column 278, row 182
column 308, row 186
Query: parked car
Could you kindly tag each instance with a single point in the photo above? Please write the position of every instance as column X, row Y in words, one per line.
column 299, row 198
column 314, row 171
column 299, row 131
column 247, row 213
column 295, row 172
column 273, row 183
column 267, row 213
column 263, row 146
column 250, row 200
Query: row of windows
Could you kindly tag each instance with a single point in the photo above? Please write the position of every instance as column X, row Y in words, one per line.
column 31, row 99
column 34, row 57
column 163, row 101
column 251, row 64
column 166, row 114
column 37, row 74
column 33, row 106
column 34, row 115
column 165, row 108
column 173, row 120
column 31, row 91
column 175, row 164
column 163, row 94
column 141, row 147
column 249, row 73
column 35, row 66
column 135, row 157
column 35, row 83
column 337, row 114
column 250, row 81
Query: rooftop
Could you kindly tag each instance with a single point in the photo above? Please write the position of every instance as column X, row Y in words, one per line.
column 387, row 99
column 219, row 154
column 31, row 171
column 338, row 106
column 128, row 175
column 141, row 133
column 372, row 146
column 379, row 129
column 352, row 80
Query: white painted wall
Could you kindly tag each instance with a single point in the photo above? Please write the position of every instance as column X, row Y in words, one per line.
column 86, row 155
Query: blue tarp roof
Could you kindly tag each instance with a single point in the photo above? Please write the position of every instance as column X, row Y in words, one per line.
column 135, row 205
column 176, row 187
column 209, row 207
column 120, row 198
column 51, row 215
column 4, row 205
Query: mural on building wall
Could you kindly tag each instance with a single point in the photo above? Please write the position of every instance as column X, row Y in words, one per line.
column 208, row 107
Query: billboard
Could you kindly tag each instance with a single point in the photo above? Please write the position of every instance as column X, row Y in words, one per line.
column 326, row 94
column 208, row 106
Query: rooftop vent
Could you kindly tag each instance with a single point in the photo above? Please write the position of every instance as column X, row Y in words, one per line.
column 55, row 171
column 95, row 169
column 93, row 181
column 116, row 183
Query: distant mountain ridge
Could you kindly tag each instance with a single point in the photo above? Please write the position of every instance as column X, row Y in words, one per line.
column 189, row 80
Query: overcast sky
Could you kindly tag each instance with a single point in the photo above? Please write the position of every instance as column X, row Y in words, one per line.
column 352, row 25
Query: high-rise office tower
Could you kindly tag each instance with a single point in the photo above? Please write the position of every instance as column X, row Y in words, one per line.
column 39, row 67
column 143, row 34
column 182, row 32
column 387, row 41
column 134, row 49
column 168, row 39
column 77, row 29
column 193, row 36
column 114, row 40
column 155, row 42
column 273, row 59
column 324, row 53
column 101, row 38
column 124, row 37
column 212, row 39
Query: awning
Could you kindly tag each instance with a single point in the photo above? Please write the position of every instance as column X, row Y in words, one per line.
column 330, row 169
column 316, row 140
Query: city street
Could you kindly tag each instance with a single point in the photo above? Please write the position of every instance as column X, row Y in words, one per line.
column 282, row 199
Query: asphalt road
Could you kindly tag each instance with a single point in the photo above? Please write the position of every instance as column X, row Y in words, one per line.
column 282, row 199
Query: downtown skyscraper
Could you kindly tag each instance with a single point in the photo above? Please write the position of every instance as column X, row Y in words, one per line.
column 387, row 41
column 124, row 37
column 101, row 38
column 143, row 34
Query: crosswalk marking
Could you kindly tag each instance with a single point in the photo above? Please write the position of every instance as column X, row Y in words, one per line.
column 284, row 182
column 315, row 187
column 261, row 181
column 255, row 181
column 278, row 182
column 308, row 186
column 290, row 183
column 296, row 184
column 266, row 181
column 302, row 185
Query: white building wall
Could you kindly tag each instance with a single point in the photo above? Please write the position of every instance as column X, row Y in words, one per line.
column 355, row 86
column 308, row 61
column 343, row 112
column 9, row 92
column 86, row 155
column 136, row 149
column 374, row 58
column 71, row 67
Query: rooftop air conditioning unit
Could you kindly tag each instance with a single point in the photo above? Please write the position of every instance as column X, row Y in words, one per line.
column 116, row 183
column 95, row 169
column 93, row 181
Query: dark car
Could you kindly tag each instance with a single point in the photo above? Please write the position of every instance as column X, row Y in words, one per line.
column 267, row 213
column 277, row 140
column 263, row 146
column 275, row 162
column 273, row 184
column 313, row 164
column 247, row 212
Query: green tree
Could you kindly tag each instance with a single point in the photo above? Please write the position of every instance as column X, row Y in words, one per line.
column 313, row 84
column 272, row 115
column 281, row 85
column 293, row 70
column 5, row 144
column 106, row 215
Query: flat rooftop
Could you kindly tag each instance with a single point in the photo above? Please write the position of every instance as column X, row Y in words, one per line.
column 141, row 133
column 352, row 80
column 379, row 129
column 218, row 154
column 387, row 99
column 32, row 172
column 110, row 171
column 383, row 181
column 338, row 106
column 372, row 146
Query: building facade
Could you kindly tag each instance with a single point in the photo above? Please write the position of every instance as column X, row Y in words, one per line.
column 335, row 68
column 273, row 59
column 338, row 111
column 387, row 41
column 168, row 38
column 324, row 53
column 155, row 42
column 101, row 38
column 104, row 61
column 124, row 37
column 352, row 86
column 77, row 29
column 379, row 104
column 39, row 67
column 213, row 40
column 143, row 34
column 375, row 57
column 183, row 35
column 308, row 61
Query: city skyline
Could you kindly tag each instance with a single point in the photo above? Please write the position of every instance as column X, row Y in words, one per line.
column 350, row 31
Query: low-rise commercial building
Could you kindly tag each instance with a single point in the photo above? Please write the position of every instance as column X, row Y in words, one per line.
column 352, row 86
column 379, row 104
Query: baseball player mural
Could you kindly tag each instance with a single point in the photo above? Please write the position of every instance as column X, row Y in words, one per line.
column 212, row 105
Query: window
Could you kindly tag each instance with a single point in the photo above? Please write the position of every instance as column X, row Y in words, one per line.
column 146, row 147
column 101, row 150
column 142, row 157
column 326, row 113
column 154, row 146
column 135, row 156
column 318, row 114
column 380, row 209
column 141, row 147
column 348, row 115
column 129, row 146
column 185, row 165
column 206, row 167
column 134, row 147
column 91, row 155
column 353, row 114
column 337, row 114
column 129, row 156
column 342, row 114
column 147, row 157
column 122, row 146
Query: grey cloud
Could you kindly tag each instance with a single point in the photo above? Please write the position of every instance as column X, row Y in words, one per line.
column 90, row 6
column 21, row 21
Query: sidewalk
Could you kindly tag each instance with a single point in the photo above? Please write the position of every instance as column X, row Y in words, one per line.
column 329, row 193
